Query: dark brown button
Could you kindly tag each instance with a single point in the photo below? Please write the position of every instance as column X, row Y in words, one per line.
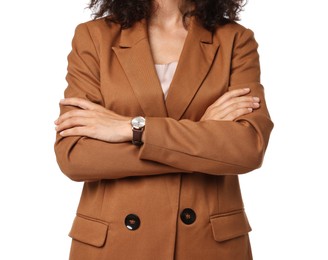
column 188, row 216
column 132, row 222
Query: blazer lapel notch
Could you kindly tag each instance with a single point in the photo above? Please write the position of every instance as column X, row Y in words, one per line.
column 195, row 61
column 134, row 55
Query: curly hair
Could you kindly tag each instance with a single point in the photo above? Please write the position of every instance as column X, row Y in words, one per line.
column 210, row 13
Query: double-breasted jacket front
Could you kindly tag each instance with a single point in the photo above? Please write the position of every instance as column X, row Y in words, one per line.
column 177, row 196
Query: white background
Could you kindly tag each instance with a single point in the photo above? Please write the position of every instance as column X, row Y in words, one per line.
column 286, row 200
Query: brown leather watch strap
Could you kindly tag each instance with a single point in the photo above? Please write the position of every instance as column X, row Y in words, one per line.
column 136, row 136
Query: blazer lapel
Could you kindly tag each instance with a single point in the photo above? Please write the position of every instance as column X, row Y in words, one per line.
column 194, row 64
column 134, row 55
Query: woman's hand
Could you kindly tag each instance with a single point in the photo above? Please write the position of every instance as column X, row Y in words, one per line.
column 93, row 121
column 231, row 105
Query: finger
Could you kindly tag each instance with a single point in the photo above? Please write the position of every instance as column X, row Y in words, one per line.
column 74, row 113
column 80, row 102
column 237, row 106
column 231, row 94
column 74, row 122
column 239, row 102
column 78, row 131
column 237, row 113
column 238, row 92
column 236, row 100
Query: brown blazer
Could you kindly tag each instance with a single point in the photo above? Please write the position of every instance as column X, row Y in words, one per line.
column 182, row 185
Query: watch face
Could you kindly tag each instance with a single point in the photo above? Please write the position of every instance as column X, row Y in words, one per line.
column 138, row 122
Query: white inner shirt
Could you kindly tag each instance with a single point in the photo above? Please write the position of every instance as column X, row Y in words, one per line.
column 165, row 73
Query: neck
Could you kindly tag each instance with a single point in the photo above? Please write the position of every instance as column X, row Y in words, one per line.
column 167, row 13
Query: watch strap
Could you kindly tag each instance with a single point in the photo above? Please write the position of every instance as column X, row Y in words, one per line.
column 137, row 136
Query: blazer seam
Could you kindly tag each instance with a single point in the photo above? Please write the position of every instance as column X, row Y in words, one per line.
column 92, row 218
column 93, row 43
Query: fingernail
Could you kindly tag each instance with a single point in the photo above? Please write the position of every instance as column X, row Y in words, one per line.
column 256, row 99
column 56, row 121
column 250, row 109
column 246, row 89
column 256, row 104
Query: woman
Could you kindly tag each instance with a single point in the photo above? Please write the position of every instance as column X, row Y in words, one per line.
column 163, row 109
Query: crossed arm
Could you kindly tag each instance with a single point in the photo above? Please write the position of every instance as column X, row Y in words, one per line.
column 93, row 143
column 95, row 121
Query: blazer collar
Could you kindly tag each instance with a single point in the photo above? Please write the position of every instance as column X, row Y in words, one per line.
column 131, row 36
column 134, row 54
column 194, row 64
column 139, row 31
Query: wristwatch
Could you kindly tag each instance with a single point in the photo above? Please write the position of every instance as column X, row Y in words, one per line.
column 138, row 125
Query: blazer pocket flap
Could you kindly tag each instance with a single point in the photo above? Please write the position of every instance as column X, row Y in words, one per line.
column 231, row 225
column 89, row 231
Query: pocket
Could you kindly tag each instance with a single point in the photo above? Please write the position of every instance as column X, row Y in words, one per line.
column 89, row 231
column 230, row 225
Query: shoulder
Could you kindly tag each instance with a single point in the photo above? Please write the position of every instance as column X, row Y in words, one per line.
column 98, row 31
column 232, row 32
column 101, row 25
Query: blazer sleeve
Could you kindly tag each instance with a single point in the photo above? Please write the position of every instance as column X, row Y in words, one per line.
column 87, row 159
column 216, row 147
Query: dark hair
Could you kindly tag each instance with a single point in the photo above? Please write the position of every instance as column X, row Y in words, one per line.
column 210, row 13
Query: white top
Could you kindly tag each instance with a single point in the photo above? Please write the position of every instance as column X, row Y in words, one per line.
column 165, row 73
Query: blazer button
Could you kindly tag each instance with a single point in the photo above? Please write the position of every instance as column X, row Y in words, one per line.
column 188, row 216
column 132, row 222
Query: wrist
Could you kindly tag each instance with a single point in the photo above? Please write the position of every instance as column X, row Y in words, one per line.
column 126, row 131
column 138, row 126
